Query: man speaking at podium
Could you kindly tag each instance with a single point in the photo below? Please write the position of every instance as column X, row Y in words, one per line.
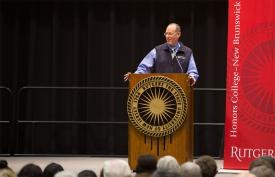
column 170, row 57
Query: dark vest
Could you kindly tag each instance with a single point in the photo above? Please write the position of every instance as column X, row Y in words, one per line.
column 164, row 62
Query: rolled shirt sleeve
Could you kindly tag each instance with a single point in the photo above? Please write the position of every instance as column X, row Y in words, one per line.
column 192, row 68
column 147, row 63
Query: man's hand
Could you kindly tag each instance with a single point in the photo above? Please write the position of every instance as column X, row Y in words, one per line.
column 126, row 76
column 191, row 80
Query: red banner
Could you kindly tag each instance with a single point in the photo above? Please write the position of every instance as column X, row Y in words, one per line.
column 250, row 93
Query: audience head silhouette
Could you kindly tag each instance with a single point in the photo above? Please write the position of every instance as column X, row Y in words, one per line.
column 263, row 171
column 30, row 170
column 165, row 173
column 87, row 173
column 65, row 174
column 190, row 169
column 168, row 162
column 207, row 165
column 270, row 159
column 6, row 171
column 259, row 162
column 116, row 168
column 51, row 169
column 146, row 163
column 3, row 164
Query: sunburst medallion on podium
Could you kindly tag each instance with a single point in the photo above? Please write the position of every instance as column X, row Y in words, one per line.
column 157, row 106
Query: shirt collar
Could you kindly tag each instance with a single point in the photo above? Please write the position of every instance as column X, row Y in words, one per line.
column 176, row 48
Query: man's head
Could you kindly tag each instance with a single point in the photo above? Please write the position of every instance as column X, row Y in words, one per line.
column 168, row 162
column 146, row 163
column 190, row 169
column 172, row 34
column 116, row 168
column 207, row 165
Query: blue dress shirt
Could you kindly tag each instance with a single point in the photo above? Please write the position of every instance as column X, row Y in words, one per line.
column 148, row 62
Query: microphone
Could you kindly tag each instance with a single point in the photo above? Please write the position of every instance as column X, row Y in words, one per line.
column 179, row 63
column 174, row 55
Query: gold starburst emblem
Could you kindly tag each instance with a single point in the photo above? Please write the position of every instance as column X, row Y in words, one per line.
column 157, row 106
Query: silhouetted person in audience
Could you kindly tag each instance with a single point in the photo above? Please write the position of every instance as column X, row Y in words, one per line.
column 259, row 162
column 270, row 159
column 30, row 170
column 51, row 169
column 65, row 174
column 5, row 170
column 190, row 169
column 207, row 165
column 7, row 173
column 165, row 173
column 263, row 171
column 116, row 168
column 168, row 162
column 4, row 165
column 146, row 165
column 87, row 173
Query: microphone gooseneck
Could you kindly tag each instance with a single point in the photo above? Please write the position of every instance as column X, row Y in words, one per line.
column 174, row 55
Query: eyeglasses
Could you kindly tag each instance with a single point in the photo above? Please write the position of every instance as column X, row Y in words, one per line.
column 169, row 34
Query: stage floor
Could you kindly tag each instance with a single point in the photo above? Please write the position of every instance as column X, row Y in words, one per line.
column 77, row 164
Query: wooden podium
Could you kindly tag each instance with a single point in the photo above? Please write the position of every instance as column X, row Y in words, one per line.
column 179, row 143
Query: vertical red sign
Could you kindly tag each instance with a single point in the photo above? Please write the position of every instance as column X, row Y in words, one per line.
column 250, row 89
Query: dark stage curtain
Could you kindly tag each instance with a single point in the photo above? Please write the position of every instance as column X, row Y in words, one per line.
column 62, row 64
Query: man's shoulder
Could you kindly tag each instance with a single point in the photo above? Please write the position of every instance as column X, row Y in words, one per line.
column 163, row 46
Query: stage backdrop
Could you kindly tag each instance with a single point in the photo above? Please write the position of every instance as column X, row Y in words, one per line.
column 250, row 96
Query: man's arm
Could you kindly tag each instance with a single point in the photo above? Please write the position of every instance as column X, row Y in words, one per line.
column 147, row 63
column 192, row 71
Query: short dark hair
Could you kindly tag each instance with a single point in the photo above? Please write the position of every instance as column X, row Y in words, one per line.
column 208, row 166
column 3, row 164
column 270, row 159
column 146, row 163
column 51, row 169
column 30, row 170
column 87, row 173
column 263, row 171
column 259, row 162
